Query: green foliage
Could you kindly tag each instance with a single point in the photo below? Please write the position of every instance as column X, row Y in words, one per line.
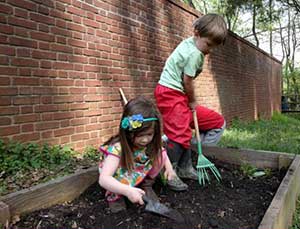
column 17, row 157
column 268, row 172
column 23, row 165
column 91, row 153
column 248, row 170
column 296, row 217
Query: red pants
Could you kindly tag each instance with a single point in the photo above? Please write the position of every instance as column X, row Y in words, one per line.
column 178, row 118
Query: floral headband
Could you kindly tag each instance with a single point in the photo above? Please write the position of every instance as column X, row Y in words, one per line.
column 135, row 121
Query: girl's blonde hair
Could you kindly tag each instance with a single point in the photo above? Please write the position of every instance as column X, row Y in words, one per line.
column 212, row 26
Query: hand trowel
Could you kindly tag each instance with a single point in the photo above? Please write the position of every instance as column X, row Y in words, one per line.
column 161, row 209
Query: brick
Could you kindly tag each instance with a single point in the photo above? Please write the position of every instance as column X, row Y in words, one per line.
column 26, row 100
column 24, row 62
column 78, row 137
column 6, row 29
column 9, row 130
column 26, row 137
column 42, row 36
column 5, row 100
column 61, row 48
column 8, row 91
column 27, row 128
column 26, row 81
column 63, row 131
column 47, row 134
column 26, row 118
column 8, row 71
column 47, row 125
column 42, row 18
column 63, row 115
column 21, row 52
column 26, row 109
column 4, row 81
column 6, row 9
column 22, row 23
column 4, row 121
column 43, row 55
column 79, row 121
column 9, row 51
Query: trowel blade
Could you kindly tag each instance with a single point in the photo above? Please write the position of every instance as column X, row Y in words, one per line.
column 161, row 209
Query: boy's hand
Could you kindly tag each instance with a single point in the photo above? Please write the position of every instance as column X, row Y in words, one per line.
column 135, row 195
column 193, row 105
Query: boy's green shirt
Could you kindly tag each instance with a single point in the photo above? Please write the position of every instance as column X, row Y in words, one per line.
column 185, row 59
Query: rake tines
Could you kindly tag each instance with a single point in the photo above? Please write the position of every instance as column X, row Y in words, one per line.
column 202, row 170
column 203, row 163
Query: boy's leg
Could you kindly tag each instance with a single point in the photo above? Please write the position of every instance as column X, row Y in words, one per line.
column 211, row 126
column 185, row 167
column 176, row 184
column 212, row 137
column 175, row 152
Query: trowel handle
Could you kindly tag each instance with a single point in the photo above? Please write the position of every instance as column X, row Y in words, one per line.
column 145, row 199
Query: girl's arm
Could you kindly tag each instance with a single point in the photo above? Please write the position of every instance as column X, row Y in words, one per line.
column 188, row 84
column 108, row 182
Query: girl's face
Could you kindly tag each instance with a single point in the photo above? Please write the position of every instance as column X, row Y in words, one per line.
column 142, row 139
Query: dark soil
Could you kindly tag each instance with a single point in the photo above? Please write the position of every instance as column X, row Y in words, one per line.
column 236, row 202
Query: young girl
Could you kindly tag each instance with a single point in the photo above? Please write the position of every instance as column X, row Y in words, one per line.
column 134, row 157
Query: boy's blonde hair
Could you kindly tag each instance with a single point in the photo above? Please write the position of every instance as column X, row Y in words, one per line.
column 212, row 26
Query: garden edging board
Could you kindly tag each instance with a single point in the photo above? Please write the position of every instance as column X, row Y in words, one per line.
column 67, row 188
column 44, row 195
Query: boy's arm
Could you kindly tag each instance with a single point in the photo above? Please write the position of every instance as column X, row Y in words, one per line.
column 188, row 84
column 108, row 182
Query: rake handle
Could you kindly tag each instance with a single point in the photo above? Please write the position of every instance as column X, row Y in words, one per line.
column 197, row 132
column 123, row 96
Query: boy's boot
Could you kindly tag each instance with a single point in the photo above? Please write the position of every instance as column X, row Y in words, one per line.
column 175, row 152
column 146, row 185
column 118, row 205
column 185, row 167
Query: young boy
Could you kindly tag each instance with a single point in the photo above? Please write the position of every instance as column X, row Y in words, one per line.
column 175, row 97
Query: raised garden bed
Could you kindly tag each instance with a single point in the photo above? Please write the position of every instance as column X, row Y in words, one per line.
column 236, row 202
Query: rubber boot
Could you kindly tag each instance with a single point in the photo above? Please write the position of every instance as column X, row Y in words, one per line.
column 146, row 185
column 118, row 205
column 185, row 167
column 175, row 152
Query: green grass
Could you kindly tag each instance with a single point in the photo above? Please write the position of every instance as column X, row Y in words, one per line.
column 280, row 134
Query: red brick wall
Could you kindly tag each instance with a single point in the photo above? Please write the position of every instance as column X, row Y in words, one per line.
column 62, row 62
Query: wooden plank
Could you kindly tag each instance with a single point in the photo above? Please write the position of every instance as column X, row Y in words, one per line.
column 280, row 212
column 53, row 192
column 257, row 158
column 4, row 214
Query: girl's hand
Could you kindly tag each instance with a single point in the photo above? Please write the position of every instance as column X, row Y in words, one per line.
column 169, row 173
column 135, row 195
